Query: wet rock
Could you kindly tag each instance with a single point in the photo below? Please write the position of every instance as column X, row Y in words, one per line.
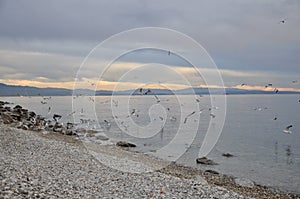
column 31, row 114
column 70, row 132
column 58, row 127
column 16, row 117
column 24, row 127
column 125, row 144
column 7, row 108
column 17, row 107
column 205, row 161
column 101, row 137
column 228, row 155
column 69, row 125
column 7, row 119
column 212, row 172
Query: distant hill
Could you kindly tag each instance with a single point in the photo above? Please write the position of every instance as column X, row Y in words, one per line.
column 12, row 90
column 9, row 90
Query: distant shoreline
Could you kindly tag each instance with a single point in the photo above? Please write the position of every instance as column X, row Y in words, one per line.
column 12, row 90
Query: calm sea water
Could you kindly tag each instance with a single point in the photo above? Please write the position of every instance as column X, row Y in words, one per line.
column 263, row 153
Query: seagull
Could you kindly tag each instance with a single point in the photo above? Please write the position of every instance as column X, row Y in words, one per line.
column 43, row 102
column 212, row 115
column 157, row 99
column 141, row 91
column 282, row 21
column 287, row 129
column 185, row 119
column 91, row 99
column 243, row 84
column 133, row 112
column 173, row 119
column 115, row 103
column 71, row 113
column 148, row 91
column 56, row 117
column 107, row 122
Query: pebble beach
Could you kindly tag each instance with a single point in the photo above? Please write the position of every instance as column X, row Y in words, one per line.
column 53, row 165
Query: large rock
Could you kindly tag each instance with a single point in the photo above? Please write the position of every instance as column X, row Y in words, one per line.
column 205, row 161
column 228, row 155
column 7, row 119
column 125, row 144
column 58, row 127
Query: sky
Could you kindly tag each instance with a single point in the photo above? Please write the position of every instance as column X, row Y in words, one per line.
column 44, row 43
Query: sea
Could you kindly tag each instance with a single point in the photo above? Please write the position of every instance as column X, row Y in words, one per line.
column 252, row 129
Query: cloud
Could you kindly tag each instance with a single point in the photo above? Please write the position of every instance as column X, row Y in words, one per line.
column 49, row 40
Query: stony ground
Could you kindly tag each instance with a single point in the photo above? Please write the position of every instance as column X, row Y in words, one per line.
column 36, row 166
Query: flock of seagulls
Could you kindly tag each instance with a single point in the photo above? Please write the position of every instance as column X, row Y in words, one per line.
column 287, row 129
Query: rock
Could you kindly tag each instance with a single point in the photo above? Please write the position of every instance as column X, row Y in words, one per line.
column 205, row 161
column 7, row 108
column 125, row 144
column 101, row 137
column 212, row 172
column 24, row 127
column 244, row 182
column 228, row 155
column 17, row 107
column 31, row 114
column 69, row 125
column 16, row 117
column 58, row 127
column 70, row 132
column 7, row 119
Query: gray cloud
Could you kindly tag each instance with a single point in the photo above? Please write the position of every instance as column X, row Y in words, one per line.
column 239, row 35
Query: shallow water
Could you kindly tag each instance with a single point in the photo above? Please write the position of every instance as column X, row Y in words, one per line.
column 263, row 153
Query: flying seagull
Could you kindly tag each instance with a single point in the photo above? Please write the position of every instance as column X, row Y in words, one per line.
column 287, row 129
column 148, row 91
column 282, row 21
column 56, row 117
column 189, row 115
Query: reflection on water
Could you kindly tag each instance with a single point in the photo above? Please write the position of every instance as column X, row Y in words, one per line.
column 276, row 151
column 289, row 157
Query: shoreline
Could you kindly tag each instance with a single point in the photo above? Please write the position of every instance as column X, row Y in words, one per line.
column 174, row 170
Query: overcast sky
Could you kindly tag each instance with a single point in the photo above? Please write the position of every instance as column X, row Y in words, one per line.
column 43, row 43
